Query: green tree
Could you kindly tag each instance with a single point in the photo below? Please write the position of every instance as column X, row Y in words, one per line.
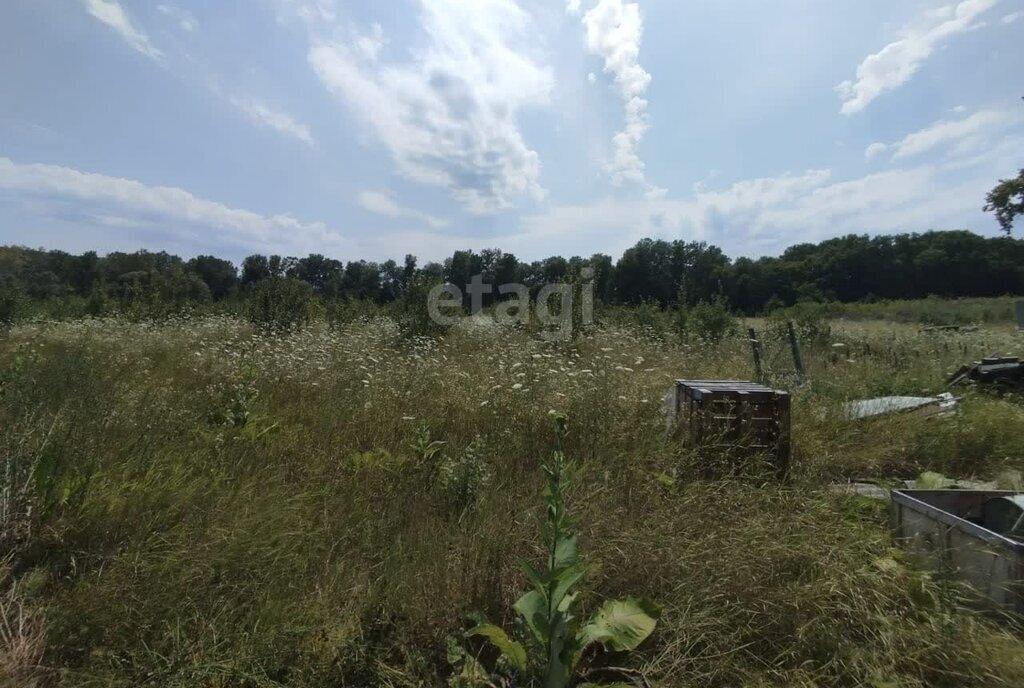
column 218, row 274
column 255, row 268
column 1006, row 200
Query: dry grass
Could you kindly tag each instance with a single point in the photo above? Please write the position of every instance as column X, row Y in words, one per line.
column 22, row 636
column 256, row 512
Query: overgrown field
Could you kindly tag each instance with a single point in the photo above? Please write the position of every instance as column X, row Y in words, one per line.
column 930, row 311
column 194, row 503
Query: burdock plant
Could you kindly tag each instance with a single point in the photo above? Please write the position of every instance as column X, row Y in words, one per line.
column 557, row 636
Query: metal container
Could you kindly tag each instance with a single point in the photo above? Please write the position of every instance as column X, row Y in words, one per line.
column 948, row 529
column 1005, row 515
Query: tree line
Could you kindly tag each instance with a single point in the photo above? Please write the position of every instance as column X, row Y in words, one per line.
column 665, row 273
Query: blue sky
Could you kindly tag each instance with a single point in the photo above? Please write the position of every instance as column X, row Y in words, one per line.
column 364, row 129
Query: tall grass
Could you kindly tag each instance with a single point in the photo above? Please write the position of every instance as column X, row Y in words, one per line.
column 328, row 506
column 930, row 311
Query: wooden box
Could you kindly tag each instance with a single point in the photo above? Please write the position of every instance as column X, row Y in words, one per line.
column 735, row 417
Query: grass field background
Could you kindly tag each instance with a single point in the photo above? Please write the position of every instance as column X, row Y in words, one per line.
column 196, row 503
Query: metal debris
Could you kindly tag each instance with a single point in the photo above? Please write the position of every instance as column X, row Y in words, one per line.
column 860, row 489
column 869, row 408
column 1006, row 371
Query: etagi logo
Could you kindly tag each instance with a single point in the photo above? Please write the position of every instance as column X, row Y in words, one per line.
column 445, row 304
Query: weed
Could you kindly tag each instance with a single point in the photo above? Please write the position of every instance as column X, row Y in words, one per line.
column 551, row 609
column 463, row 478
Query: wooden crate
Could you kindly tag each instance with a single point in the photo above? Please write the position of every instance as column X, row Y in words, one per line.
column 735, row 417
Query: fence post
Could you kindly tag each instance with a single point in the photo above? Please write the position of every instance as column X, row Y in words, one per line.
column 755, row 347
column 795, row 347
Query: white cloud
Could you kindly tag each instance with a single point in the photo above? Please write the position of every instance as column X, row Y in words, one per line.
column 945, row 132
column 110, row 13
column 874, row 150
column 448, row 114
column 896, row 63
column 614, row 224
column 572, row 7
column 185, row 19
column 1012, row 17
column 965, row 134
column 128, row 200
column 382, row 204
column 764, row 216
column 280, row 122
column 613, row 32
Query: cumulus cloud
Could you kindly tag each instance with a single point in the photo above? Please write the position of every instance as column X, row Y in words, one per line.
column 127, row 200
column 964, row 135
column 874, row 150
column 897, row 62
column 616, row 224
column 265, row 116
column 764, row 216
column 112, row 14
column 448, row 113
column 381, row 203
column 614, row 29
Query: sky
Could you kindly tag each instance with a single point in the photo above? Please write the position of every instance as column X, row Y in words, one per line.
column 369, row 129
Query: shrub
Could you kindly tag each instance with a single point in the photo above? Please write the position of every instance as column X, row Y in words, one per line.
column 13, row 305
column 281, row 304
column 412, row 313
column 711, row 320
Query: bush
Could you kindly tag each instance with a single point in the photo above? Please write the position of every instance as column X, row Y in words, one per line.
column 13, row 305
column 281, row 304
column 711, row 320
column 810, row 320
column 412, row 313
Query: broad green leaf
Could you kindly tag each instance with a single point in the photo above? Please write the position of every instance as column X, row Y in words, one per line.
column 470, row 673
column 564, row 582
column 515, row 652
column 534, row 609
column 620, row 625
column 535, row 578
column 473, row 675
column 560, row 658
column 567, row 552
column 566, row 604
